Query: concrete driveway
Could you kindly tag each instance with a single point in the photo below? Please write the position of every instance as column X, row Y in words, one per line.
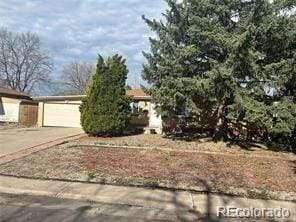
column 16, row 139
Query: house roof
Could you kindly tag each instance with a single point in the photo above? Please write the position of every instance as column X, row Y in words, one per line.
column 136, row 94
column 58, row 98
column 13, row 93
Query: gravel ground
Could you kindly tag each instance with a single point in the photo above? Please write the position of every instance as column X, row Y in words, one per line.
column 5, row 125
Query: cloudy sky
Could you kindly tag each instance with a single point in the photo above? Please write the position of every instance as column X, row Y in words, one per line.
column 81, row 29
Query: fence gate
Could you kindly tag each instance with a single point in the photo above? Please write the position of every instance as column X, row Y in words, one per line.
column 28, row 115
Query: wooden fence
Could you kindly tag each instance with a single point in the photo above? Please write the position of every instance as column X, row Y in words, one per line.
column 28, row 114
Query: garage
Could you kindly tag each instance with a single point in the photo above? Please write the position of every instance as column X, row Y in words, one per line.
column 58, row 114
column 62, row 111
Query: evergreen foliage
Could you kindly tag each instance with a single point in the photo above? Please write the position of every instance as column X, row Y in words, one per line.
column 106, row 108
column 233, row 62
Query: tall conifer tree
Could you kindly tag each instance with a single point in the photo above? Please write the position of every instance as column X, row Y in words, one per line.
column 231, row 63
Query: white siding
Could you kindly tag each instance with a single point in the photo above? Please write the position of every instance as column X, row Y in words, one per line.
column 66, row 114
column 155, row 120
column 9, row 110
column 61, row 114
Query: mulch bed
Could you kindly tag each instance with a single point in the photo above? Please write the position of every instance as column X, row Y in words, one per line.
column 154, row 166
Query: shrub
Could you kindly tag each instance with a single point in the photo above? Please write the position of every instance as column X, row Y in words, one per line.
column 105, row 111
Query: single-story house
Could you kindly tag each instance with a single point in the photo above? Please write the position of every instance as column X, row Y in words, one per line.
column 63, row 111
column 17, row 107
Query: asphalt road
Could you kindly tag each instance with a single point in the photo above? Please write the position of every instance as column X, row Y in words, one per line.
column 21, row 208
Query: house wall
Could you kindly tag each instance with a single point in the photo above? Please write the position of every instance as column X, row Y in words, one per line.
column 155, row 121
column 40, row 114
column 68, row 117
column 9, row 109
column 145, row 105
column 141, row 118
column 66, row 102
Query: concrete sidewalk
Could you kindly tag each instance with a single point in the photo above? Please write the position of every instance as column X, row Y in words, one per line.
column 180, row 202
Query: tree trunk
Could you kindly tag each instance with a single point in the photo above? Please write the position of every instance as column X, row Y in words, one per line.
column 220, row 129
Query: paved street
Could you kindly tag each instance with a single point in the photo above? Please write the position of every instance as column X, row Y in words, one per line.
column 16, row 139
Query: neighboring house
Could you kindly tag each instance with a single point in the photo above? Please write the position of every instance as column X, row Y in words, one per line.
column 17, row 107
column 63, row 111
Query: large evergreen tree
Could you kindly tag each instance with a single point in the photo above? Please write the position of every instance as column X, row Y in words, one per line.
column 106, row 110
column 229, row 62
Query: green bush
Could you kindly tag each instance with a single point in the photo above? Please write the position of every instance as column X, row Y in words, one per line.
column 105, row 111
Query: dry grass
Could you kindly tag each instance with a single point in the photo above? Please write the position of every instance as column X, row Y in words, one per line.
column 206, row 145
column 192, row 169
column 153, row 167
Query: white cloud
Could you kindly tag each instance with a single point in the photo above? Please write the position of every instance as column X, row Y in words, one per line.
column 73, row 29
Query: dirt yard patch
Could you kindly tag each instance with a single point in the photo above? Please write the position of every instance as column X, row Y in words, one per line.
column 155, row 167
column 6, row 125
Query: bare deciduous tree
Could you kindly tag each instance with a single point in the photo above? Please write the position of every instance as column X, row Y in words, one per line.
column 75, row 77
column 23, row 65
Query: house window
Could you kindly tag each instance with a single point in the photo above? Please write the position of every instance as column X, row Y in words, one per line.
column 2, row 112
column 135, row 108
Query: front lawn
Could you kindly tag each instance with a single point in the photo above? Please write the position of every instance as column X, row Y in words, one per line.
column 229, row 173
column 200, row 145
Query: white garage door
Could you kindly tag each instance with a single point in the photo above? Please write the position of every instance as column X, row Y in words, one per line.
column 57, row 114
